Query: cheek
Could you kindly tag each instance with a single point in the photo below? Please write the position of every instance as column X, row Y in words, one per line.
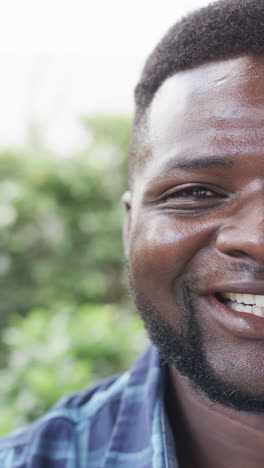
column 162, row 247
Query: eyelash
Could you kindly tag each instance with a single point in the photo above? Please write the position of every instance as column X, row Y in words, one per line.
column 188, row 193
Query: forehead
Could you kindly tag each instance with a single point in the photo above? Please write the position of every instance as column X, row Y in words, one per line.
column 217, row 105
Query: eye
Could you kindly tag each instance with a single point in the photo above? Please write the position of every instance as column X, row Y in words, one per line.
column 193, row 198
column 192, row 193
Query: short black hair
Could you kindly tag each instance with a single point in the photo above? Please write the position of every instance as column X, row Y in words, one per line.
column 221, row 30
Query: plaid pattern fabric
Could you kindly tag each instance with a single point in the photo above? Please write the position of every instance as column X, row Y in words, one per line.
column 117, row 424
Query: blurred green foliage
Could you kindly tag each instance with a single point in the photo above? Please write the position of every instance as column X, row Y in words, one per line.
column 64, row 314
column 55, row 352
column 60, row 221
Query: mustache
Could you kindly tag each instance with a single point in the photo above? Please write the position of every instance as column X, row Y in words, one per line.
column 237, row 272
column 221, row 271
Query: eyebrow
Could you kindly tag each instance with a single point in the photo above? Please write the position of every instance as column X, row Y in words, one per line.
column 199, row 163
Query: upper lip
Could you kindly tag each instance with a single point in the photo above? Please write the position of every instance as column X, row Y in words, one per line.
column 237, row 287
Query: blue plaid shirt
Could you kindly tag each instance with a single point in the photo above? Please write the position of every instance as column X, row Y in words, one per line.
column 121, row 423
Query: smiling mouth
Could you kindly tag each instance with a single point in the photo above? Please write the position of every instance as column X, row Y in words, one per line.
column 247, row 303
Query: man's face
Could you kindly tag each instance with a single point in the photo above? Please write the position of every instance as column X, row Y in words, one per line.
column 195, row 223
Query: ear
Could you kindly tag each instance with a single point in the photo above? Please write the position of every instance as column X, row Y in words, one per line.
column 127, row 201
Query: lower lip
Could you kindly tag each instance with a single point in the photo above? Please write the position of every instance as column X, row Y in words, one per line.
column 241, row 324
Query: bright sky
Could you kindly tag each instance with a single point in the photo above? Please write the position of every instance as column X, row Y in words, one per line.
column 63, row 58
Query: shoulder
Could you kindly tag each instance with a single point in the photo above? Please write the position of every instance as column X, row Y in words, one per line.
column 54, row 436
column 89, row 428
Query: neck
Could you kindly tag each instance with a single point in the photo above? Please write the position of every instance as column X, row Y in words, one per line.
column 208, row 435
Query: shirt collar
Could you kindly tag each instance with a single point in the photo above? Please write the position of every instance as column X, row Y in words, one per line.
column 142, row 413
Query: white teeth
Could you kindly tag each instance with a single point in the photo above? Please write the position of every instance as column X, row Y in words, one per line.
column 239, row 298
column 259, row 301
column 258, row 311
column 239, row 307
column 249, row 299
column 247, row 303
column 248, row 309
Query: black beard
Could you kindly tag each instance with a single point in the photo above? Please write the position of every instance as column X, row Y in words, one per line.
column 185, row 351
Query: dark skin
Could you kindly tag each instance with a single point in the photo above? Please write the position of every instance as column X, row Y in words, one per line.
column 196, row 216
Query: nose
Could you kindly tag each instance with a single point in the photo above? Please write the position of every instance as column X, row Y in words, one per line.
column 242, row 235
